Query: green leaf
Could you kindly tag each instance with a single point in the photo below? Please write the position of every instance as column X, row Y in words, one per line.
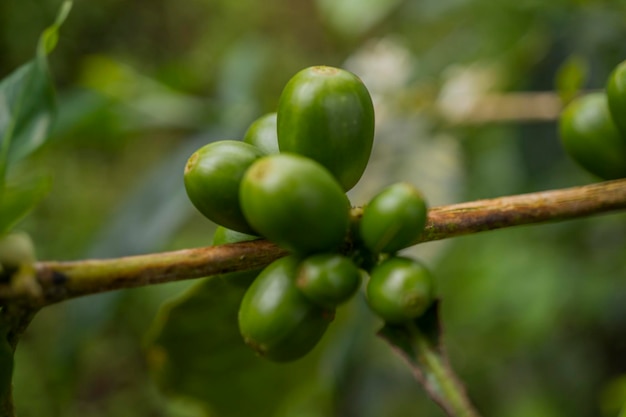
column 314, row 398
column 17, row 201
column 195, row 351
column 27, row 101
column 420, row 343
column 571, row 77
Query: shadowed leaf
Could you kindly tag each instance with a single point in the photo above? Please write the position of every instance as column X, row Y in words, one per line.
column 195, row 351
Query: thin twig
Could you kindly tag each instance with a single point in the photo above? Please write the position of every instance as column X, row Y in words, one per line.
column 59, row 281
column 63, row 280
column 557, row 205
column 519, row 107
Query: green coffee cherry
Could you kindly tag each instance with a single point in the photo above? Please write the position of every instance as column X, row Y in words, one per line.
column 262, row 134
column 616, row 93
column 296, row 203
column 276, row 319
column 591, row 138
column 326, row 114
column 400, row 289
column 328, row 280
column 393, row 219
column 212, row 178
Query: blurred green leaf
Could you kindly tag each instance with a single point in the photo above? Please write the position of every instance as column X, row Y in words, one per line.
column 570, row 77
column 143, row 101
column 186, row 408
column 154, row 209
column 613, row 397
column 195, row 351
column 87, row 116
column 312, row 399
column 16, row 201
column 27, row 102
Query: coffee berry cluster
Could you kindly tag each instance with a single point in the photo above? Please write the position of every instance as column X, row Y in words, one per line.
column 593, row 128
column 286, row 181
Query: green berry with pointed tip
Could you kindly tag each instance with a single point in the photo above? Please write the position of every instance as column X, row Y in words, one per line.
column 400, row 289
column 591, row 138
column 326, row 114
column 262, row 134
column 212, row 177
column 296, row 203
column 328, row 279
column 616, row 94
column 393, row 219
column 276, row 319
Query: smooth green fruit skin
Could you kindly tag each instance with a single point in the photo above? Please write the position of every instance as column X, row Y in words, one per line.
column 616, row 93
column 224, row 236
column 400, row 289
column 296, row 203
column 275, row 319
column 328, row 279
column 326, row 114
column 393, row 219
column 262, row 134
column 590, row 137
column 212, row 178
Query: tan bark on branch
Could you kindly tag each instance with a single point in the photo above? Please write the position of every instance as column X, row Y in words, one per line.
column 58, row 281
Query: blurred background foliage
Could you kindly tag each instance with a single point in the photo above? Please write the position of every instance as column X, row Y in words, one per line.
column 535, row 317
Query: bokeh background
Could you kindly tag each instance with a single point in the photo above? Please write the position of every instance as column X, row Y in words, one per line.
column 467, row 93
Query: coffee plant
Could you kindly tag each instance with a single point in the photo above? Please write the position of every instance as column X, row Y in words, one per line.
column 291, row 249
